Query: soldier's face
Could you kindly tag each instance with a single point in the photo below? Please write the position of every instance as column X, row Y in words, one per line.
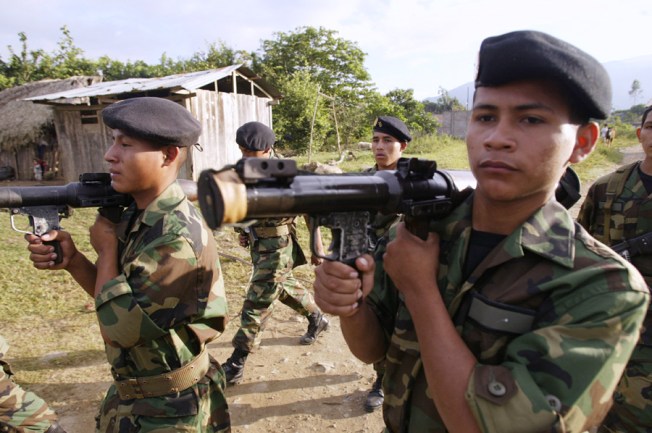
column 134, row 164
column 387, row 150
column 644, row 134
column 520, row 140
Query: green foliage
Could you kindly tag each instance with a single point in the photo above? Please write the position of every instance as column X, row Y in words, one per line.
column 294, row 114
column 301, row 64
column 334, row 63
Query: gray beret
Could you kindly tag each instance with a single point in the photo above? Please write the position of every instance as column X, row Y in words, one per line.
column 255, row 136
column 394, row 127
column 157, row 120
column 532, row 55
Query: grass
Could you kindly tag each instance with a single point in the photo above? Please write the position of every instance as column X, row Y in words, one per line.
column 43, row 311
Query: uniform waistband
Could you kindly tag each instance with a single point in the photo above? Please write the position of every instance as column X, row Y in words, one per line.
column 167, row 383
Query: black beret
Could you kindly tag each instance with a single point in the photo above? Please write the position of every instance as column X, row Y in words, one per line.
column 157, row 120
column 532, row 55
column 394, row 127
column 255, row 136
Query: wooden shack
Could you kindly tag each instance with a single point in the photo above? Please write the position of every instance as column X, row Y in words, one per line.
column 27, row 130
column 221, row 99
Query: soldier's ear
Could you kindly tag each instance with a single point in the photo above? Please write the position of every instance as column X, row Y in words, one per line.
column 170, row 154
column 585, row 140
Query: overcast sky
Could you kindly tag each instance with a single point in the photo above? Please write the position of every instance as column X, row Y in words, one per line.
column 410, row 44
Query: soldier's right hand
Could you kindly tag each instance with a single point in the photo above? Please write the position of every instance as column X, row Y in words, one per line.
column 340, row 289
column 43, row 256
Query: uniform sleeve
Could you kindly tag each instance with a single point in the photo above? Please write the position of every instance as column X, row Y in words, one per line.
column 22, row 409
column 561, row 377
column 156, row 291
column 585, row 215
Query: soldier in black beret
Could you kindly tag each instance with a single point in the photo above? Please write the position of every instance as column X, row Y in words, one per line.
column 275, row 251
column 390, row 138
column 156, row 281
column 509, row 310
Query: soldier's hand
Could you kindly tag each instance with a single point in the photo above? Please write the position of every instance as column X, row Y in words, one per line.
column 410, row 261
column 243, row 238
column 339, row 288
column 43, row 256
column 316, row 260
column 103, row 236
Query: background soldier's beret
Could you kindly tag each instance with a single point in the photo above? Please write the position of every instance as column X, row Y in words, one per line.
column 255, row 136
column 394, row 127
column 157, row 120
column 527, row 55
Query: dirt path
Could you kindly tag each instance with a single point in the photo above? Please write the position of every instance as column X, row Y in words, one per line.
column 287, row 387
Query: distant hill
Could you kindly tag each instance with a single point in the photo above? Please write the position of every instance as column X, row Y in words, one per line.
column 622, row 73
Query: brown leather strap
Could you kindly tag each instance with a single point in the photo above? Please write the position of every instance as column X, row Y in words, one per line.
column 167, row 383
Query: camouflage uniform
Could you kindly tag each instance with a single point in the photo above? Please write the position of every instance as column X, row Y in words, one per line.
column 159, row 314
column 630, row 216
column 20, row 411
column 377, row 231
column 581, row 306
column 275, row 251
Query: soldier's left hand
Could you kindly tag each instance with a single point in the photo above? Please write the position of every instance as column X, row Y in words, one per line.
column 103, row 236
column 410, row 261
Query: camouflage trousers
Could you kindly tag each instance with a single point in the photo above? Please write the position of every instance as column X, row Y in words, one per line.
column 21, row 409
column 271, row 279
column 632, row 408
column 203, row 410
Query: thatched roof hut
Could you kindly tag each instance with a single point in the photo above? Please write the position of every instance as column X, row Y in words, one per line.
column 23, row 124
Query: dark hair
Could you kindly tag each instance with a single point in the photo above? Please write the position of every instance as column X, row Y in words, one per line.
column 645, row 113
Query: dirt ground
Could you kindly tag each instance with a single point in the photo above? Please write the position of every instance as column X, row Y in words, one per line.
column 287, row 387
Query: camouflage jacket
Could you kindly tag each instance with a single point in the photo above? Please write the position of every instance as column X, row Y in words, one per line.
column 167, row 302
column 20, row 409
column 380, row 223
column 584, row 304
column 631, row 216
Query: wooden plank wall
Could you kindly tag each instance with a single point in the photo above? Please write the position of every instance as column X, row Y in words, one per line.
column 81, row 146
column 221, row 114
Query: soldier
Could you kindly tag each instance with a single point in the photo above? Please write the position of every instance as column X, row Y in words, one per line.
column 510, row 316
column 618, row 212
column 22, row 411
column 390, row 138
column 275, row 251
column 157, row 282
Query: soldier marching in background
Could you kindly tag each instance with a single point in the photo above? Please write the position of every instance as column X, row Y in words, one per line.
column 390, row 138
column 618, row 212
column 275, row 251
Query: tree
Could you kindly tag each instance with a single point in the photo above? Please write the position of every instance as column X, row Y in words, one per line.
column 636, row 91
column 444, row 103
column 334, row 63
column 293, row 116
column 317, row 56
column 412, row 111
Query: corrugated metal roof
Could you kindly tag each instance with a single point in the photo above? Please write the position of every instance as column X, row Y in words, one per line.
column 190, row 81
